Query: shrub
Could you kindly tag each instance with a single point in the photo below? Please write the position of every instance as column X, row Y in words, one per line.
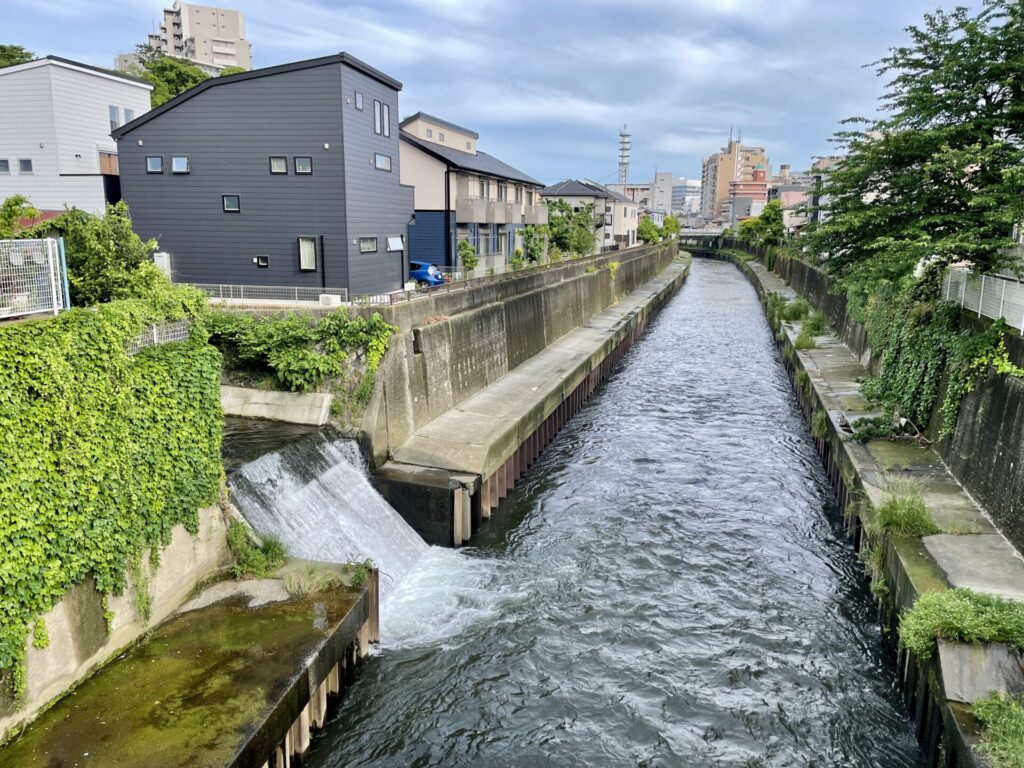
column 252, row 561
column 796, row 309
column 815, row 323
column 1004, row 729
column 819, row 424
column 467, row 255
column 613, row 267
column 805, row 339
column 903, row 513
column 964, row 616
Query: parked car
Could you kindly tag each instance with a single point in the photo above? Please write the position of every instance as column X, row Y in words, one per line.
column 425, row 274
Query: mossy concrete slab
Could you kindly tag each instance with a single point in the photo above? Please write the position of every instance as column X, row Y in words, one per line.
column 199, row 692
column 982, row 562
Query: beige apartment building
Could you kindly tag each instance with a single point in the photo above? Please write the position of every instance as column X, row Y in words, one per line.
column 462, row 193
column 734, row 163
column 212, row 38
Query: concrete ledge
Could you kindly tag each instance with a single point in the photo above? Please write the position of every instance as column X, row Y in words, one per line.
column 294, row 407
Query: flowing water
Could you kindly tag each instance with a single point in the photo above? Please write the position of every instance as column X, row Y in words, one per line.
column 668, row 586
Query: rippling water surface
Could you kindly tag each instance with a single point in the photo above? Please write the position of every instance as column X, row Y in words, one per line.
column 668, row 586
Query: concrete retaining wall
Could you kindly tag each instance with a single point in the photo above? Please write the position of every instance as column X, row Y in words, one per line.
column 298, row 408
column 451, row 345
column 79, row 640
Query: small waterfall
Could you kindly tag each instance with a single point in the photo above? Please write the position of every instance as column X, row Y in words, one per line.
column 315, row 495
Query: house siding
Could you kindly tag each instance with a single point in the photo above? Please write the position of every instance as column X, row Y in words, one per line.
column 229, row 132
column 426, row 238
column 377, row 204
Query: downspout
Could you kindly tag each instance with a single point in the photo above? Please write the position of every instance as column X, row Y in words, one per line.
column 448, row 260
column 323, row 264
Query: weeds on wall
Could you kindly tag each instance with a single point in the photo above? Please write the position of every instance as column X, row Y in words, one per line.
column 903, row 512
column 805, row 339
column 963, row 616
column 252, row 560
column 1003, row 719
column 104, row 452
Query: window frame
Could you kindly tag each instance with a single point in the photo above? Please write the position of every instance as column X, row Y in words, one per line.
column 485, row 188
column 7, row 163
column 224, row 203
column 377, row 157
column 21, row 166
column 262, row 262
column 387, row 241
column 160, row 170
column 188, row 165
column 298, row 244
column 359, row 100
column 114, row 116
column 387, row 120
column 129, row 115
column 440, row 135
column 284, row 159
column 378, row 117
column 295, row 165
column 430, row 133
column 360, row 240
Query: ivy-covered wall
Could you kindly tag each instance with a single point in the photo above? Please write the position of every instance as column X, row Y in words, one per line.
column 102, row 453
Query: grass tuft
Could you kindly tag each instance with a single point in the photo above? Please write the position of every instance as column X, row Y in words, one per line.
column 805, row 339
column 796, row 309
column 903, row 512
column 964, row 616
column 1004, row 729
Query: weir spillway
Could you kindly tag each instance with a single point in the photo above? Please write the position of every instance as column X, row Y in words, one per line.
column 669, row 584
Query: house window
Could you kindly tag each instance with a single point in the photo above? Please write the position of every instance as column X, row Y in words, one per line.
column 395, row 243
column 387, row 119
column 129, row 114
column 307, row 254
column 154, row 164
column 304, row 165
column 24, row 166
column 367, row 244
column 440, row 135
column 115, row 116
column 529, row 197
column 231, row 203
column 519, row 194
column 263, row 262
column 503, row 192
column 179, row 165
column 359, row 101
column 378, row 117
column 382, row 162
column 430, row 133
column 485, row 188
column 279, row 165
column 468, row 145
column 5, row 167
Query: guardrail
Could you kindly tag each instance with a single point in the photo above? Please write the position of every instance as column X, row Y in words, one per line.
column 994, row 297
column 33, row 279
column 268, row 293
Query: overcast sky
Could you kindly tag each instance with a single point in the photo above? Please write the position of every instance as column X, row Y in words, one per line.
column 549, row 83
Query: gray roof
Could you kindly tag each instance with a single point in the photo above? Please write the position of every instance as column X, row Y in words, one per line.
column 574, row 188
column 481, row 162
column 101, row 70
column 610, row 192
column 213, row 82
column 439, row 121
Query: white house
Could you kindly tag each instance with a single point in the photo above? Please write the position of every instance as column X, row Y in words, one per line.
column 55, row 124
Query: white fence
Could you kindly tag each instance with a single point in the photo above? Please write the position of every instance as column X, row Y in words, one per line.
column 988, row 296
column 162, row 333
column 32, row 277
column 268, row 294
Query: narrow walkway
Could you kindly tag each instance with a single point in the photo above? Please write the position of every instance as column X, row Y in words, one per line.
column 479, row 434
column 970, row 552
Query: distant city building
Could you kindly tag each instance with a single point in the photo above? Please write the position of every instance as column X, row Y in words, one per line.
column 734, row 163
column 211, row 38
column 747, row 198
column 462, row 193
column 55, row 142
column 661, row 192
column 283, row 176
column 685, row 197
column 637, row 193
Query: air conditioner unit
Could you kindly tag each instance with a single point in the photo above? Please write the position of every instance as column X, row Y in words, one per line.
column 330, row 300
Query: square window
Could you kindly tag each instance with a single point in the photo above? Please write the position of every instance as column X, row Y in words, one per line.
column 179, row 165
column 115, row 116
column 279, row 165
column 395, row 243
column 440, row 135
column 307, row 254
column 24, row 166
column 359, row 101
column 430, row 133
column 304, row 165
column 154, row 165
column 5, row 167
column 262, row 261
column 232, row 203
column 129, row 115
column 382, row 162
column 367, row 244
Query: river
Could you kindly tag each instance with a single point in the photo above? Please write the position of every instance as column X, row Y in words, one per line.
column 668, row 586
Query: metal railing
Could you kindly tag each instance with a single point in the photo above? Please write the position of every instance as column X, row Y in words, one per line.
column 33, row 278
column 260, row 294
column 162, row 333
column 994, row 297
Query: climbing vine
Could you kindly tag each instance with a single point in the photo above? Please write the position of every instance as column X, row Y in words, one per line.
column 103, row 453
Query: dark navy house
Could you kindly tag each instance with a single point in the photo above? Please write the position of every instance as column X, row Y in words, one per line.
column 284, row 176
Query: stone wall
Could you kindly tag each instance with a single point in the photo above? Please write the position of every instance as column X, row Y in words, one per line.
column 79, row 640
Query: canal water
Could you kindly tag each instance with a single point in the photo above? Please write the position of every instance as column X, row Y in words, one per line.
column 668, row 586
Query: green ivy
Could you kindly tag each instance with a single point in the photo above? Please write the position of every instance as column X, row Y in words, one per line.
column 103, row 453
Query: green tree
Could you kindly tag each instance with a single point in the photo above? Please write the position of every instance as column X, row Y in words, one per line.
column 571, row 230
column 749, row 230
column 232, row 71
column 535, row 240
column 169, row 76
column 467, row 255
column 12, row 211
column 940, row 176
column 14, row 54
column 647, row 231
column 770, row 224
column 670, row 228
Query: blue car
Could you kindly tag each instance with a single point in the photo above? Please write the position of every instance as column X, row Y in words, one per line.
column 425, row 274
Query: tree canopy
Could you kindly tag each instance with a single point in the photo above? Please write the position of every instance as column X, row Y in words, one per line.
column 765, row 229
column 168, row 75
column 13, row 211
column 940, row 176
column 14, row 54
column 670, row 227
column 569, row 230
column 647, row 231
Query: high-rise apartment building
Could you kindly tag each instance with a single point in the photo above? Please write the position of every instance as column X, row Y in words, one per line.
column 212, row 38
column 734, row 163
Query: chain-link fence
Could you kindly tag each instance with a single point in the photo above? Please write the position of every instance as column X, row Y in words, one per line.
column 32, row 277
column 989, row 296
